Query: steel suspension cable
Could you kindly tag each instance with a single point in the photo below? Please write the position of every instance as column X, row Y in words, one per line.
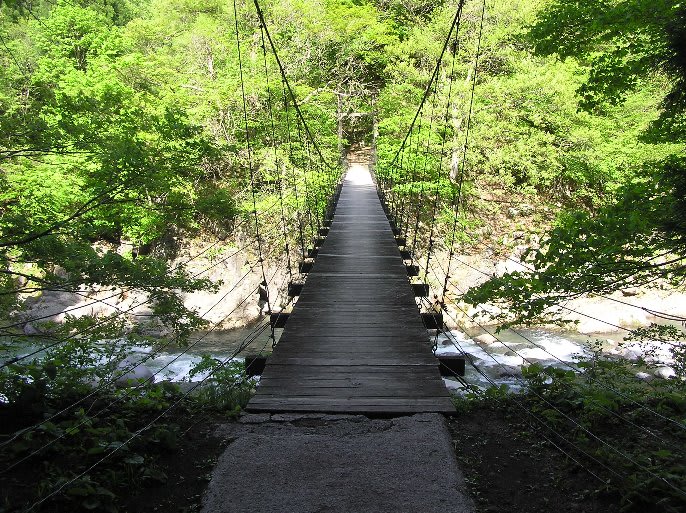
column 140, row 431
column 576, row 424
column 123, row 371
column 140, row 385
column 277, row 162
column 249, row 150
column 439, row 174
column 458, row 196
column 528, row 412
column 299, row 214
column 595, row 380
column 577, row 370
column 433, row 77
column 260, row 15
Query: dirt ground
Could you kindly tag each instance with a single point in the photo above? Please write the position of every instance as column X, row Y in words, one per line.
column 188, row 470
column 508, row 469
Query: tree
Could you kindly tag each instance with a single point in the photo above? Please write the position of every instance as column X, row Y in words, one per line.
column 636, row 234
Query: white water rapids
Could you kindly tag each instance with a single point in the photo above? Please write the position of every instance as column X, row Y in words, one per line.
column 501, row 362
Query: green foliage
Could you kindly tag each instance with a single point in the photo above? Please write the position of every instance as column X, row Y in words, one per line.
column 227, row 389
column 574, row 406
column 61, row 449
column 599, row 413
column 604, row 136
column 109, row 423
column 621, row 42
column 122, row 124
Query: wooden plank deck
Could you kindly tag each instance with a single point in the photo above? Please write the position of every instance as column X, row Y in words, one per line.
column 355, row 342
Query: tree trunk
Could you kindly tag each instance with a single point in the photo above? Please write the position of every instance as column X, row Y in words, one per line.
column 457, row 121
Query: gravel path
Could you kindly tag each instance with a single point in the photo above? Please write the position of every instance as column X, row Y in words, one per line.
column 337, row 463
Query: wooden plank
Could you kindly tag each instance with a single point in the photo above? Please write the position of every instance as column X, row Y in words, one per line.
column 341, row 371
column 352, row 380
column 314, row 348
column 349, row 359
column 364, row 390
column 354, row 401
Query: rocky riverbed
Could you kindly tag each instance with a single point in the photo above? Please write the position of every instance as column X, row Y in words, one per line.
column 234, row 309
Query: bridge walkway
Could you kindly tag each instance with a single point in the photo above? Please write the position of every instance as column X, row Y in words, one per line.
column 355, row 341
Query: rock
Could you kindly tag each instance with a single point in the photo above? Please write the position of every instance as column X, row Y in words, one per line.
column 632, row 355
column 134, row 372
column 509, row 371
column 644, row 376
column 154, row 329
column 630, row 291
column 664, row 373
column 526, row 209
column 30, row 329
column 485, row 340
column 452, row 385
column 60, row 272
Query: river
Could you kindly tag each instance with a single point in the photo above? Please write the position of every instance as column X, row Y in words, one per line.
column 501, row 362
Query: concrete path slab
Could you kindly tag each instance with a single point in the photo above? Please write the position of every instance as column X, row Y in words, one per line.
column 315, row 463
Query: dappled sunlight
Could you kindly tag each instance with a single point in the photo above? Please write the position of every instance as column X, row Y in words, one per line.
column 358, row 174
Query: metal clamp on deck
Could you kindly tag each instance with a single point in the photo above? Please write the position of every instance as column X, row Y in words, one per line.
column 420, row 289
column 305, row 267
column 278, row 320
column 295, row 289
column 451, row 365
column 412, row 270
column 432, row 321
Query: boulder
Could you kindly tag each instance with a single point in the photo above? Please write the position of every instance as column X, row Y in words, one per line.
column 664, row 372
column 60, row 272
column 509, row 371
column 644, row 376
column 30, row 329
column 630, row 292
column 632, row 355
column 452, row 385
column 134, row 372
column 485, row 340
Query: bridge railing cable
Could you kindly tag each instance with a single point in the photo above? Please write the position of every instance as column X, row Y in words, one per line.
column 576, row 424
column 63, row 487
column 389, row 177
column 108, row 383
column 427, row 267
column 536, row 422
column 139, row 386
column 246, row 342
column 596, row 381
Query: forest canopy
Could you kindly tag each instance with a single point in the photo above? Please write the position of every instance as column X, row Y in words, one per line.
column 120, row 121
column 625, row 50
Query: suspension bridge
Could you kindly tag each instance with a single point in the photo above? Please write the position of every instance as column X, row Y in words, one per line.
column 356, row 340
